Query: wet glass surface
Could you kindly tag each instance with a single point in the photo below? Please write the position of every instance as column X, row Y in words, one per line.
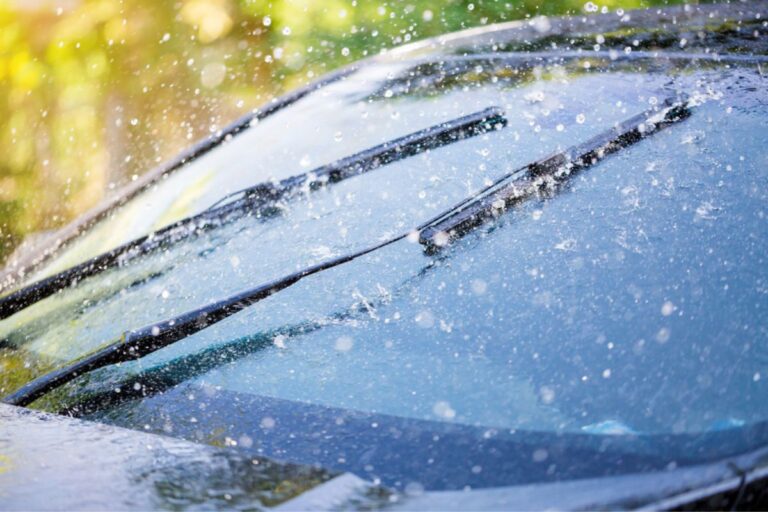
column 614, row 324
column 345, row 217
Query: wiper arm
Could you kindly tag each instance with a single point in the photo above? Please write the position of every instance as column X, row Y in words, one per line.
column 546, row 173
column 453, row 222
column 418, row 142
column 257, row 198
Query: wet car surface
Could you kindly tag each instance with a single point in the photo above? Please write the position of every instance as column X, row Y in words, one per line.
column 133, row 470
column 604, row 323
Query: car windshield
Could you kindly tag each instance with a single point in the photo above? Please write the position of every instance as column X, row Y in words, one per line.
column 613, row 323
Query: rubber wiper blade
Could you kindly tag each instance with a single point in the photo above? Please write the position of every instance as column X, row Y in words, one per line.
column 258, row 199
column 546, row 173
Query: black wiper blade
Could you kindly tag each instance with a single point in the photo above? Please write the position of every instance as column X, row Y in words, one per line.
column 138, row 343
column 541, row 175
column 454, row 222
column 491, row 118
column 257, row 199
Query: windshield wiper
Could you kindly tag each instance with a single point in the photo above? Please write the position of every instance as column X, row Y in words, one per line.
column 256, row 199
column 546, row 173
column 453, row 222
column 430, row 138
column 138, row 343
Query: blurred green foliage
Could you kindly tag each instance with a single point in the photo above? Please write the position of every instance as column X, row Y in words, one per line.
column 94, row 92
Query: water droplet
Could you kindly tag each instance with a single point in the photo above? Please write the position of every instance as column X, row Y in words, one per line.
column 213, row 74
column 425, row 319
column 444, row 410
column 441, row 238
column 344, row 344
column 479, row 286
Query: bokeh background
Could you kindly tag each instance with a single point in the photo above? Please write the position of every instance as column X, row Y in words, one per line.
column 95, row 92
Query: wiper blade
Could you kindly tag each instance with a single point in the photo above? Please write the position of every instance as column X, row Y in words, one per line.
column 536, row 177
column 257, row 199
column 138, row 343
column 454, row 222
column 409, row 145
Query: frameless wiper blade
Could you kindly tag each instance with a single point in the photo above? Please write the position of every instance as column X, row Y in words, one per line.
column 454, row 222
column 545, row 173
column 257, row 198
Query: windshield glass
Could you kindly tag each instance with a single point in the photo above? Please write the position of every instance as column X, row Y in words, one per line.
column 615, row 324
